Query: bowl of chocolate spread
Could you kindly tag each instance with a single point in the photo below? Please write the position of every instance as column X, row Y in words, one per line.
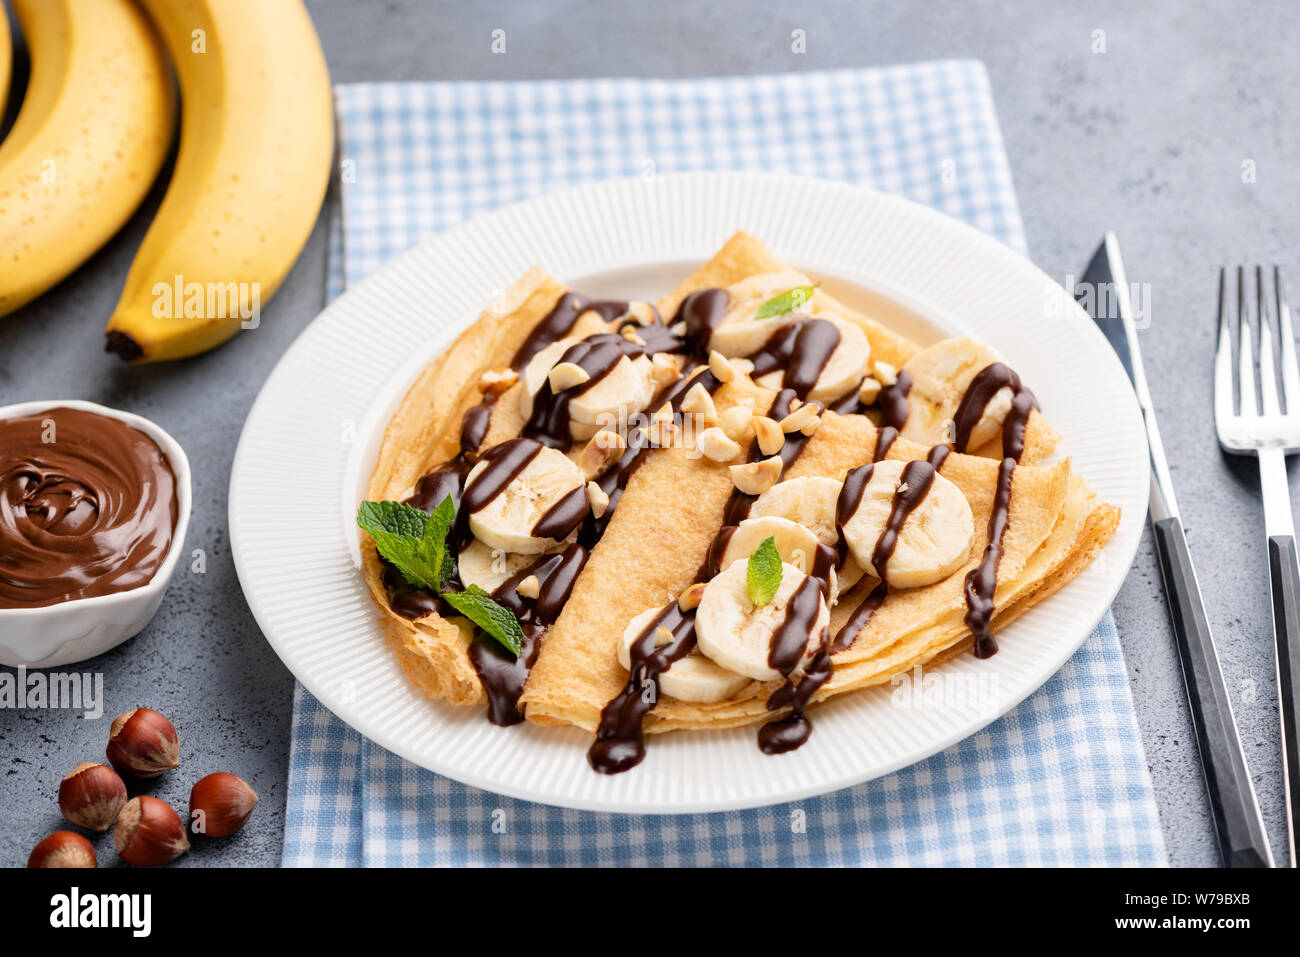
column 94, row 504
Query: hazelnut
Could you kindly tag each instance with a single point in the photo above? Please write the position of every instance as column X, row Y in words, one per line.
column 597, row 498
column 885, row 373
column 604, row 449
column 714, row 444
column 220, row 803
column 663, row 637
column 631, row 336
column 63, row 849
column 664, row 370
column 642, row 312
column 736, row 422
column 143, row 744
column 497, row 381
column 690, row 598
column 91, row 796
column 721, row 367
column 148, row 832
column 530, row 587
column 566, row 375
column 755, row 478
column 801, row 419
column 870, row 391
column 698, row 402
column 768, row 433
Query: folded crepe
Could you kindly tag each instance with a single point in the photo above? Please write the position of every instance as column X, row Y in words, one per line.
column 660, row 532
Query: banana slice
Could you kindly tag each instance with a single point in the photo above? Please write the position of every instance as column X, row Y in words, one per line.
column 844, row 370
column 940, row 375
column 936, row 536
column 810, row 501
column 625, row 391
column 605, row 404
column 536, row 371
column 737, row 635
column 694, row 678
column 797, row 545
column 488, row 567
column 506, row 522
column 739, row 333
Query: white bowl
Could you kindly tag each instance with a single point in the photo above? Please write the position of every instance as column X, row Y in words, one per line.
column 72, row 631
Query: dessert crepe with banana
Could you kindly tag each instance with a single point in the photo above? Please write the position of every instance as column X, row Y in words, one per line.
column 711, row 511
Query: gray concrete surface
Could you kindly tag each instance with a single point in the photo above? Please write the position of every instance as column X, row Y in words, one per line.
column 1147, row 138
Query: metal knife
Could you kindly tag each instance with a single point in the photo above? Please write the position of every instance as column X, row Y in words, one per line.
column 1104, row 291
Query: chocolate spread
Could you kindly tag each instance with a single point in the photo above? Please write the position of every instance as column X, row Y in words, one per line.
column 87, row 507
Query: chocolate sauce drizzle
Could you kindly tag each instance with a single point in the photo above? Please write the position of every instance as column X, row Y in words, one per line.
column 982, row 581
column 597, row 356
column 555, row 325
column 503, row 676
column 620, row 738
column 914, row 484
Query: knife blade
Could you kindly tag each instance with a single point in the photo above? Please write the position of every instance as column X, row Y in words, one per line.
column 1104, row 291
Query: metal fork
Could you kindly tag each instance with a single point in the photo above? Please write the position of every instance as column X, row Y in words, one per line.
column 1270, row 434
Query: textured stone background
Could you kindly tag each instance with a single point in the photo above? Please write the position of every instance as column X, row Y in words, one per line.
column 1147, row 139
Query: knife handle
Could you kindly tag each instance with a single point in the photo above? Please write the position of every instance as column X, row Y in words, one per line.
column 1232, row 796
column 1284, row 577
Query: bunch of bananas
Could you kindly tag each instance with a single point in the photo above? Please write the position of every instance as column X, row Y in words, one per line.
column 96, row 124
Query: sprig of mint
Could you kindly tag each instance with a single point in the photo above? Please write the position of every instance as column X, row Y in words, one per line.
column 415, row 542
column 789, row 301
column 763, row 576
column 494, row 618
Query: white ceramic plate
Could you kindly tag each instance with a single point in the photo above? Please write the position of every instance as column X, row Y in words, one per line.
column 309, row 443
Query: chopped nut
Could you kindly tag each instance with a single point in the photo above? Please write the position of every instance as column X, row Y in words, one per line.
column 801, row 419
column 665, row 413
column 691, row 597
column 885, row 373
column 496, row 381
column 566, row 375
column 630, row 335
column 870, row 391
column 661, row 434
column 530, row 587
column 642, row 312
column 664, row 370
column 743, row 366
column 736, row 422
column 714, row 444
column 602, row 451
column 678, row 329
column 755, row 478
column 699, row 402
column 597, row 499
column 769, row 434
column 721, row 367
column 663, row 637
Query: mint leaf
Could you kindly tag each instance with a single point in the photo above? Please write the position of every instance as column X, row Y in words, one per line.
column 792, row 300
column 497, row 620
column 414, row 541
column 763, row 576
column 434, row 542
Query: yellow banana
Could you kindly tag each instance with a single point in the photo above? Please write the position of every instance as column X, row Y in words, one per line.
column 6, row 61
column 257, row 140
column 94, row 128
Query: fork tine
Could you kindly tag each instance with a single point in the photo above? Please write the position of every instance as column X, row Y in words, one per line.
column 1267, row 367
column 1223, row 394
column 1290, row 371
column 1246, row 353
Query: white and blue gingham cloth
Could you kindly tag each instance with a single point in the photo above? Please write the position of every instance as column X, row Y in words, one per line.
column 1061, row 780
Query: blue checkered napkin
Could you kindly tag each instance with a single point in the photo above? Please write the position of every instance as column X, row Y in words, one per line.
column 1062, row 779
